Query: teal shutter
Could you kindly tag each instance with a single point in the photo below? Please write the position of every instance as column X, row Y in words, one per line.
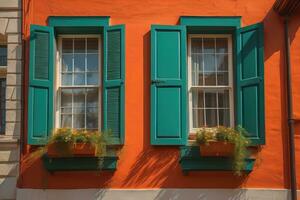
column 250, row 82
column 168, row 85
column 40, row 93
column 113, row 82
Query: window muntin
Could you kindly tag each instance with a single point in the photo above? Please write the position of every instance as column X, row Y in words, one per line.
column 3, row 55
column 210, row 81
column 79, row 87
column 2, row 105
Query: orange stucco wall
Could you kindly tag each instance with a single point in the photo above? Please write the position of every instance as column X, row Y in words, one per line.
column 142, row 165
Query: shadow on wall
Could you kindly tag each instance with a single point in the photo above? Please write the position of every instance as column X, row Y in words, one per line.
column 274, row 42
column 159, row 167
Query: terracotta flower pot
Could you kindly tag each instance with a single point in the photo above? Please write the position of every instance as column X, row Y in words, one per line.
column 216, row 148
column 62, row 149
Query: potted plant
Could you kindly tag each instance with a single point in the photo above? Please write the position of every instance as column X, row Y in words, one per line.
column 66, row 142
column 226, row 142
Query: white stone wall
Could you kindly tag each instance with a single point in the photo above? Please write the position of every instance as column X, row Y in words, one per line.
column 155, row 194
column 10, row 29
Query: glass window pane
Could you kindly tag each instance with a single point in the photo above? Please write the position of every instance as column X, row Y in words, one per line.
column 67, row 45
column 92, row 45
column 3, row 55
column 78, row 121
column 210, row 99
column 196, row 45
column 92, row 62
column 78, row 110
column 223, row 99
column 222, row 62
column 209, row 45
column 92, row 97
column 198, row 118
column 210, row 78
column 222, row 78
column 67, row 63
column 66, row 121
column 66, row 79
column 197, row 99
column 79, row 79
column 66, row 110
column 79, row 97
column 79, row 45
column 224, row 117
column 211, row 117
column 79, row 62
column 92, row 120
column 197, row 79
column 92, row 78
column 222, row 45
column 209, row 62
column 66, row 98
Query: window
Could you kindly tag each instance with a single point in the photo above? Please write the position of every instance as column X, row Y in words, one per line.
column 210, row 81
column 2, row 105
column 222, row 84
column 3, row 55
column 79, row 85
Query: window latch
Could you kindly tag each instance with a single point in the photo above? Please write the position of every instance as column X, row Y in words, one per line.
column 156, row 81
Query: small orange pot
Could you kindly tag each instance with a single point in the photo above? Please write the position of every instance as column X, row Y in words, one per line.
column 216, row 148
column 68, row 149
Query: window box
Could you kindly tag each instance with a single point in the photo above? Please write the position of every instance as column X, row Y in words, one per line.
column 190, row 160
column 217, row 148
column 78, row 149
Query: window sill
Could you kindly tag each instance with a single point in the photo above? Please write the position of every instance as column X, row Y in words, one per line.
column 108, row 163
column 8, row 139
column 190, row 160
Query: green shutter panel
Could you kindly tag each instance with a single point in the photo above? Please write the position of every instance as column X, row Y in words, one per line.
column 113, row 82
column 40, row 93
column 250, row 82
column 168, row 85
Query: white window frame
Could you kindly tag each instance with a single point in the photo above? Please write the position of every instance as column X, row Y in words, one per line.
column 57, row 78
column 212, row 88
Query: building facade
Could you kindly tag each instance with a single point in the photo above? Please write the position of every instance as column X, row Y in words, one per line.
column 153, row 73
column 10, row 95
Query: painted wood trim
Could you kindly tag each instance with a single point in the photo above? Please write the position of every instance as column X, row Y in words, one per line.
column 224, row 21
column 78, row 21
column 80, row 163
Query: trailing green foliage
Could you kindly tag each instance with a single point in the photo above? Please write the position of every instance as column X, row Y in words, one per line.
column 230, row 135
column 63, row 138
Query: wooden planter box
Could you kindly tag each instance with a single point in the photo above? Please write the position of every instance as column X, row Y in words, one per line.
column 69, row 150
column 216, row 148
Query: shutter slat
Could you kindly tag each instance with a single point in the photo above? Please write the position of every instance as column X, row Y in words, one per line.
column 114, row 54
column 250, row 82
column 41, row 55
column 113, row 79
column 168, row 85
column 40, row 93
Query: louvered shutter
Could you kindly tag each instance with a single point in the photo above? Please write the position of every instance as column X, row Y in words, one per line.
column 250, row 82
column 40, row 93
column 113, row 82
